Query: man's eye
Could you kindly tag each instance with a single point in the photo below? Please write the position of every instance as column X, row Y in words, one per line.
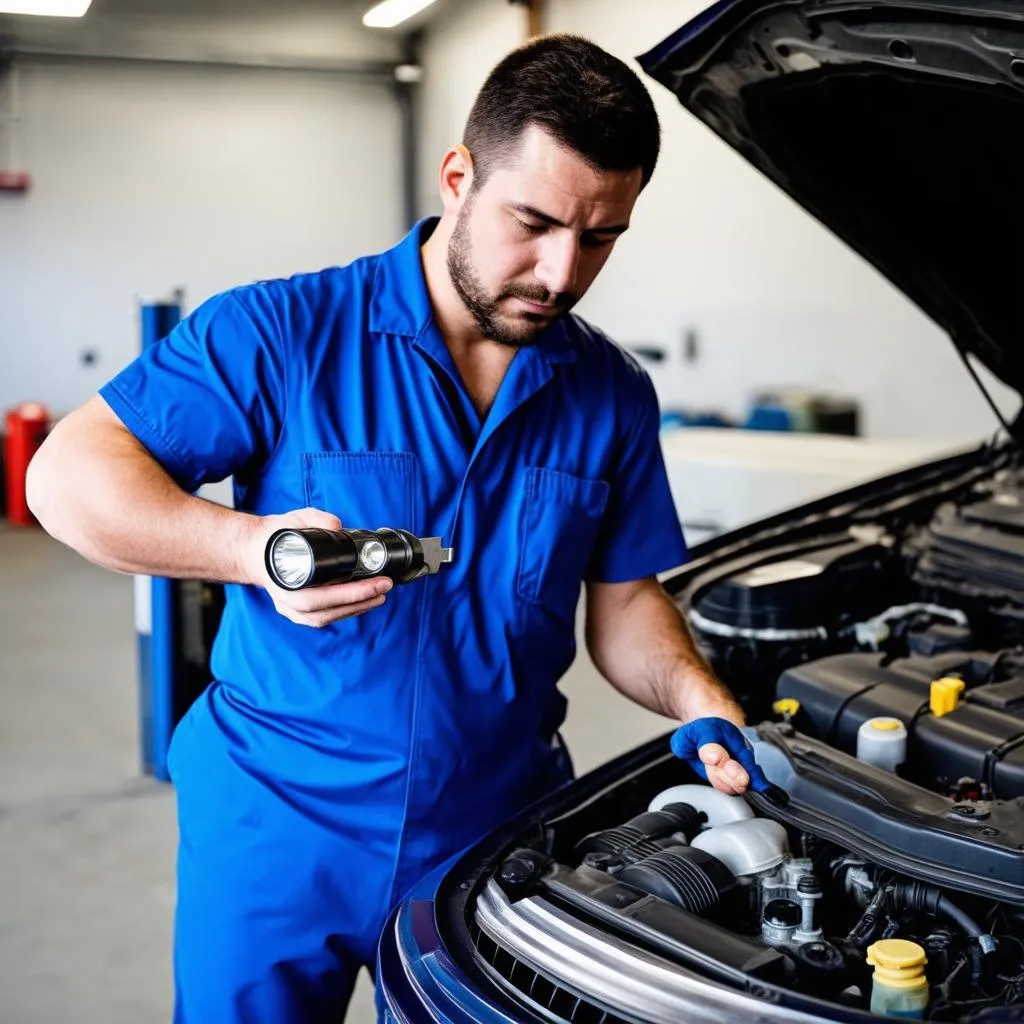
column 594, row 242
column 530, row 229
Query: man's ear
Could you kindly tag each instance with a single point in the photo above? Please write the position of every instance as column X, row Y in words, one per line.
column 455, row 178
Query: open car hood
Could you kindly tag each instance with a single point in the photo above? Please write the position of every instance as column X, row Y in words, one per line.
column 900, row 126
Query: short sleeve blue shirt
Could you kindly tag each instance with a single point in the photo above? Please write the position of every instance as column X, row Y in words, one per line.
column 417, row 727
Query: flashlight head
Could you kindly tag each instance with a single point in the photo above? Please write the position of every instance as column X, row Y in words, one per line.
column 290, row 560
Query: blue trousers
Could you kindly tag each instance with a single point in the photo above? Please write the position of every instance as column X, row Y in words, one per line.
column 269, row 938
column 277, row 913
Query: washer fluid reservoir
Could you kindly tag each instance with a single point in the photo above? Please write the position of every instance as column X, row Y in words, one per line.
column 882, row 742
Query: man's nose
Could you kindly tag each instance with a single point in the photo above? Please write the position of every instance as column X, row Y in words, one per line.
column 559, row 264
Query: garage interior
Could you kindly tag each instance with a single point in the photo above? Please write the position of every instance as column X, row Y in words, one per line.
column 154, row 153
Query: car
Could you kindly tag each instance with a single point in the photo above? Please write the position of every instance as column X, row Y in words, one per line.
column 874, row 637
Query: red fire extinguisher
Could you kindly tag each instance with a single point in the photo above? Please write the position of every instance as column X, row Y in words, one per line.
column 26, row 427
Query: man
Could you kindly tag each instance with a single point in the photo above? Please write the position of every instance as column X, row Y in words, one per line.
column 441, row 388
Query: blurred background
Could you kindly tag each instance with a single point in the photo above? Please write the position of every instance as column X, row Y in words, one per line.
column 154, row 152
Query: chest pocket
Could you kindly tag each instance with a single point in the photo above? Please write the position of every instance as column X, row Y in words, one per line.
column 365, row 490
column 560, row 520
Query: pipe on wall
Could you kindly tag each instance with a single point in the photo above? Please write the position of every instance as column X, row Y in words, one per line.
column 408, row 75
column 534, row 10
column 378, row 71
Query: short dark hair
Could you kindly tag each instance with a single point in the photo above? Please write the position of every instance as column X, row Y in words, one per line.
column 582, row 96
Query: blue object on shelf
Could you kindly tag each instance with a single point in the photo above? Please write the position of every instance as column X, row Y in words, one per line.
column 708, row 419
column 769, row 417
column 672, row 419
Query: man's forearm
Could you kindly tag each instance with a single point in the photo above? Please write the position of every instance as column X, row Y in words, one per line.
column 643, row 647
column 93, row 487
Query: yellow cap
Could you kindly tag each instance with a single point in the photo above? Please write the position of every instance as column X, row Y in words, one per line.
column 788, row 706
column 898, row 963
column 945, row 695
column 896, row 954
column 885, row 724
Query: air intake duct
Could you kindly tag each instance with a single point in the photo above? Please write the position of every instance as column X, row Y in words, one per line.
column 685, row 876
column 644, row 835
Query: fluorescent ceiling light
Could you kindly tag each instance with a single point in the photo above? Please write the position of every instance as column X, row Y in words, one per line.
column 390, row 13
column 51, row 8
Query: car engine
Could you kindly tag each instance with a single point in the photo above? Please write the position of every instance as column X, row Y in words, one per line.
column 916, row 617
column 880, row 645
column 802, row 897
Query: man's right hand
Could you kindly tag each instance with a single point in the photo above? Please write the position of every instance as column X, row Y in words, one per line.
column 315, row 606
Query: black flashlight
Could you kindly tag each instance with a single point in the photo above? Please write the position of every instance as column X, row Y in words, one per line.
column 310, row 557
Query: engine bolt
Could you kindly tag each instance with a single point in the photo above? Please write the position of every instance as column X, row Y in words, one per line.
column 809, row 890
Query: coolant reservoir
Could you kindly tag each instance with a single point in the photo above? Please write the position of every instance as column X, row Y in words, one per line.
column 899, row 987
column 882, row 742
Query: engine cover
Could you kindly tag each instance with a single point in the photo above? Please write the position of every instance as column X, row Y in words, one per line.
column 982, row 739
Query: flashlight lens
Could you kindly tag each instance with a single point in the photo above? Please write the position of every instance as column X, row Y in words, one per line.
column 292, row 559
column 372, row 556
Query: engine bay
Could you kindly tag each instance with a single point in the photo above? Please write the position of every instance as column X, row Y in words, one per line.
column 858, row 878
column 880, row 645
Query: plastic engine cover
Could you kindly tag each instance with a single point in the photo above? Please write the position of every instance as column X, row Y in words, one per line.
column 801, row 592
column 983, row 738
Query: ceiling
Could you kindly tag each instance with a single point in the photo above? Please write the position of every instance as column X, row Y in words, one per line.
column 298, row 31
column 240, row 8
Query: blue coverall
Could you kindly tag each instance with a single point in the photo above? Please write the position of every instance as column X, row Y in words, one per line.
column 325, row 771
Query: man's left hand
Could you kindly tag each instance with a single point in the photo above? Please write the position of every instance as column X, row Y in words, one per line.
column 717, row 751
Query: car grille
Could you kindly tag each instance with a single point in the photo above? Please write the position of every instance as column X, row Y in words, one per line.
column 552, row 1000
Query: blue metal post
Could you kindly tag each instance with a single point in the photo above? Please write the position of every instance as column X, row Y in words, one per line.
column 154, row 612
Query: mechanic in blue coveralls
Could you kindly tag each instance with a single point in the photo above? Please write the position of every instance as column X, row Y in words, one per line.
column 356, row 735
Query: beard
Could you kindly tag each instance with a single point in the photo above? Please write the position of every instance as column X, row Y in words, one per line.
column 484, row 308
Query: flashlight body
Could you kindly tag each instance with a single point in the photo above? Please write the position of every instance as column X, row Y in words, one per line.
column 341, row 556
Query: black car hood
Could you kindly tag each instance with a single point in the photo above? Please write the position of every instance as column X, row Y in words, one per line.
column 900, row 126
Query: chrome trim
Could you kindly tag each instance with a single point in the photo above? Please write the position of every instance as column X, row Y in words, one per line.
column 721, row 629
column 623, row 978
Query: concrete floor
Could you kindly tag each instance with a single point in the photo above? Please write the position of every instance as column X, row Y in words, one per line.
column 87, row 843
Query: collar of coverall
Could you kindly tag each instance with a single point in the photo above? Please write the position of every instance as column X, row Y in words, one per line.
column 400, row 304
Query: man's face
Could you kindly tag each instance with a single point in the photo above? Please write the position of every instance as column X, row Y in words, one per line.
column 528, row 243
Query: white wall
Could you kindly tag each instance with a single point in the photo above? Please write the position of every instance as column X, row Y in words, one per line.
column 148, row 177
column 774, row 299
column 459, row 48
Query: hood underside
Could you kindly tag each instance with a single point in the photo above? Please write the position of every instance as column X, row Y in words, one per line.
column 900, row 126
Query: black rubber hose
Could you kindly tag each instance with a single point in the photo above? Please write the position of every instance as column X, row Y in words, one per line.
column 915, row 896
column 929, row 900
column 949, row 909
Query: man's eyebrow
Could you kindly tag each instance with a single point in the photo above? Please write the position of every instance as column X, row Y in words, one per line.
column 532, row 211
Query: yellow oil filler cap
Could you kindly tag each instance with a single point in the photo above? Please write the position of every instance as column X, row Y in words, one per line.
column 945, row 695
column 899, row 986
column 787, row 707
